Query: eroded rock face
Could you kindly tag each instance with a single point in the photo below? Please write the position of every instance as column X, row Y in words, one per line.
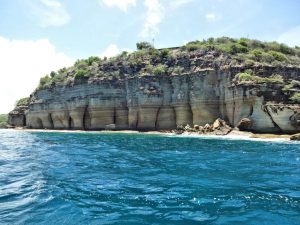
column 161, row 103
column 17, row 118
column 286, row 117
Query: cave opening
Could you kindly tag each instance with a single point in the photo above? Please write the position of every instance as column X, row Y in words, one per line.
column 51, row 121
column 86, row 119
column 39, row 123
column 24, row 121
column 71, row 123
column 115, row 116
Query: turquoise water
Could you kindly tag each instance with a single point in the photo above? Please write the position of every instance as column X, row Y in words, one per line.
column 89, row 178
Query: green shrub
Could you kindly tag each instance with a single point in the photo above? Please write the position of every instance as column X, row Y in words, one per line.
column 149, row 68
column 58, row 78
column 22, row 101
column 267, row 57
column 278, row 56
column 3, row 125
column 224, row 40
column 159, row 69
column 165, row 53
column 297, row 51
column 282, row 48
column 295, row 97
column 81, row 74
column 92, row 59
column 256, row 44
column 62, row 70
column 52, row 74
column 44, row 81
column 244, row 77
column 123, row 54
column 249, row 62
column 81, row 63
column 223, row 48
column 178, row 70
column 154, row 54
column 192, row 46
column 248, row 76
column 243, row 42
column 275, row 78
column 256, row 54
column 294, row 84
column 140, row 54
column 3, row 119
column 238, row 48
column 144, row 45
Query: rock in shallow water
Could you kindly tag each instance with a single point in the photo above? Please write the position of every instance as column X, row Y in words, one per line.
column 295, row 137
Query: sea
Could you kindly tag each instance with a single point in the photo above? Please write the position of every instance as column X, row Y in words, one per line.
column 135, row 178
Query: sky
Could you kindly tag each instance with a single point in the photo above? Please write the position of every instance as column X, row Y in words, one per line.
column 38, row 36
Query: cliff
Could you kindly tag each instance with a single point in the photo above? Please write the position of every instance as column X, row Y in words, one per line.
column 162, row 89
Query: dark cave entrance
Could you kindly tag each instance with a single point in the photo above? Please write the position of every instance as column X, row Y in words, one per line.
column 71, row 123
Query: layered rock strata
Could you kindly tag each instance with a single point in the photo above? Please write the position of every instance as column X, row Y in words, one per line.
column 163, row 103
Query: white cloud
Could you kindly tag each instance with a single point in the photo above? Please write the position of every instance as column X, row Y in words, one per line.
column 291, row 37
column 22, row 65
column 111, row 50
column 210, row 17
column 179, row 3
column 121, row 4
column 155, row 14
column 50, row 13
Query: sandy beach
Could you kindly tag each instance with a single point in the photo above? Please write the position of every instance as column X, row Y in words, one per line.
column 234, row 134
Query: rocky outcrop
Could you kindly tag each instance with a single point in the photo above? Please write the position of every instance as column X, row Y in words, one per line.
column 219, row 127
column 295, row 137
column 17, row 118
column 244, row 124
column 205, row 90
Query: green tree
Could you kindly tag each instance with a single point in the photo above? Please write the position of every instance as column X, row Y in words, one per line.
column 144, row 45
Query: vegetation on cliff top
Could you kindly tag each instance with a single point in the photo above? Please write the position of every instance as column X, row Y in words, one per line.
column 249, row 77
column 22, row 101
column 213, row 53
column 249, row 51
column 3, row 120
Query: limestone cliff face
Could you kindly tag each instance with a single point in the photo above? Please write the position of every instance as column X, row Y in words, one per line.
column 164, row 102
column 250, row 84
column 17, row 117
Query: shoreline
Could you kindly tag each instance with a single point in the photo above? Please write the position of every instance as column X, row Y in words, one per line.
column 234, row 134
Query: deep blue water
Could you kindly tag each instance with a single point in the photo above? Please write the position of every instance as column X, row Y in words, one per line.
column 90, row 178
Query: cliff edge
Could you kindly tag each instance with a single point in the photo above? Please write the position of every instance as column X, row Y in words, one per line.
column 250, row 84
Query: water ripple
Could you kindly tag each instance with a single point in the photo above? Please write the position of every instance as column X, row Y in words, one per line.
column 89, row 178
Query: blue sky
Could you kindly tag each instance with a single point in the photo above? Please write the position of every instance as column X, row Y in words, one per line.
column 44, row 35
